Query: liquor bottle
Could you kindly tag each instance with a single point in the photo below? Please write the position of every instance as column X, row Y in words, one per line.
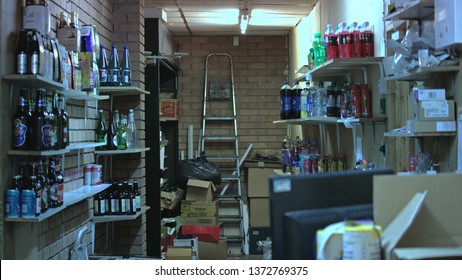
column 39, row 140
column 22, row 53
column 111, row 133
column 102, row 66
column 126, row 69
column 101, row 130
column 21, row 122
column 121, row 135
column 38, row 194
column 60, row 180
column 57, row 125
column 137, row 193
column 132, row 139
column 64, row 128
column 34, row 55
column 113, row 69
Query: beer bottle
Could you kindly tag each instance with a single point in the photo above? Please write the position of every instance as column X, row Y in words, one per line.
column 107, row 202
column 102, row 66
column 126, row 72
column 42, row 180
column 53, row 183
column 137, row 193
column 60, row 180
column 34, row 55
column 57, row 124
column 131, row 193
column 38, row 194
column 22, row 53
column 113, row 69
column 51, row 119
column 101, row 130
column 39, row 127
column 64, row 123
column 121, row 135
column 21, row 122
column 115, row 200
column 111, row 133
column 98, row 205
column 123, row 199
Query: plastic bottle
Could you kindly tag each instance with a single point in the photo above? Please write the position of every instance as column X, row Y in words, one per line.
column 330, row 42
column 366, row 102
column 331, row 100
column 285, row 156
column 345, row 105
column 295, row 101
column 350, row 33
column 319, row 50
column 285, row 94
column 315, row 147
column 304, row 102
column 355, row 40
column 343, row 41
column 311, row 59
column 366, row 32
column 320, row 101
column 309, row 99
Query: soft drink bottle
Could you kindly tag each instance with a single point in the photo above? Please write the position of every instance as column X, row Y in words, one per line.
column 285, row 94
column 304, row 102
column 350, row 33
column 330, row 41
column 366, row 31
column 295, row 101
column 319, row 50
column 356, row 40
column 342, row 37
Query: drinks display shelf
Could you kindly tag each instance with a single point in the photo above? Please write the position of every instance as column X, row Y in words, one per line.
column 417, row 10
column 72, row 147
column 70, row 198
column 121, row 152
column 122, row 91
column 38, row 81
column 423, row 73
column 337, row 67
column 331, row 120
column 430, row 134
column 115, row 218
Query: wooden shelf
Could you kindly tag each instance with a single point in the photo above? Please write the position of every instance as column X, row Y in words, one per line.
column 70, row 198
column 115, row 218
column 38, row 81
column 418, row 10
column 72, row 147
column 430, row 134
column 121, row 152
column 423, row 73
column 330, row 120
column 122, row 91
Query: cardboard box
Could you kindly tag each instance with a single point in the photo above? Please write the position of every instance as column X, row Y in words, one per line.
column 188, row 242
column 191, row 209
column 199, row 220
column 433, row 126
column 431, row 94
column 209, row 233
column 438, row 224
column 169, row 109
column 179, row 253
column 170, row 200
column 213, row 251
column 199, row 190
column 257, row 181
column 436, row 110
column 259, row 209
column 257, row 234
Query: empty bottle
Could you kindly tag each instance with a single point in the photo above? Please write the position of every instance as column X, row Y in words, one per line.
column 285, row 94
column 126, row 71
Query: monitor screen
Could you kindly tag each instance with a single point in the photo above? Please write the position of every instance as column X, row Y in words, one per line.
column 304, row 192
column 300, row 227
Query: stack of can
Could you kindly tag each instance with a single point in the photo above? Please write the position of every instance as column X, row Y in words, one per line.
column 93, row 174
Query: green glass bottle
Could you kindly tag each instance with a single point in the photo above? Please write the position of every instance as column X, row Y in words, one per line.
column 101, row 131
column 121, row 134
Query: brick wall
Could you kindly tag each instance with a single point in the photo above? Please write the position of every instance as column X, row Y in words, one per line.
column 54, row 237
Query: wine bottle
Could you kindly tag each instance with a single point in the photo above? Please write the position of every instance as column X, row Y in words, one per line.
column 126, row 72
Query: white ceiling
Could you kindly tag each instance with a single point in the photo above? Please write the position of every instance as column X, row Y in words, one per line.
column 221, row 17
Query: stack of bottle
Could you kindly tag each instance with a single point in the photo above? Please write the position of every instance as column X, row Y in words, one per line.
column 121, row 133
column 114, row 72
column 43, row 126
column 304, row 157
column 38, row 187
column 121, row 198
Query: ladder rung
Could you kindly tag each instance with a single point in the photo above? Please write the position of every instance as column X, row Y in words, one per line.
column 230, row 197
column 219, row 118
column 220, row 137
column 222, row 158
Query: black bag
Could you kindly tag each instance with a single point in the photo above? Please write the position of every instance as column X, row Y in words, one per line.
column 200, row 169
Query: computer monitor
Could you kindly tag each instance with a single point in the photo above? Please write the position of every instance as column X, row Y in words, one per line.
column 300, row 227
column 304, row 192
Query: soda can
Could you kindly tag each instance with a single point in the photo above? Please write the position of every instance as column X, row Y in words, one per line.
column 96, row 174
column 12, row 209
column 87, row 174
column 27, row 203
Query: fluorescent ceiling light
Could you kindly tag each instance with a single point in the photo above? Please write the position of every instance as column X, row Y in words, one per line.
column 244, row 23
column 263, row 17
column 221, row 17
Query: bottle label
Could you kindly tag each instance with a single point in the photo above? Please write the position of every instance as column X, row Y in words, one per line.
column 19, row 133
column 286, row 104
column 126, row 76
column 60, row 192
column 65, row 134
column 54, row 192
column 95, row 207
column 22, row 63
column 102, row 206
column 34, row 64
column 128, row 203
column 46, row 130
column 113, row 75
column 103, row 76
column 137, row 202
column 114, row 205
column 123, row 206
column 38, row 205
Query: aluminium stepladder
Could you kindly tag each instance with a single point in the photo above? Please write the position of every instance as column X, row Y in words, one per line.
column 220, row 143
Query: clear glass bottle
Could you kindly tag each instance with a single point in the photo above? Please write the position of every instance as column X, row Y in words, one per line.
column 101, row 129
column 132, row 139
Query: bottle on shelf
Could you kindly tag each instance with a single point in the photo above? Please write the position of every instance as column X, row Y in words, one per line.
column 102, row 66
column 60, row 179
column 101, row 129
column 315, row 147
column 311, row 59
column 131, row 208
column 331, row 110
column 64, row 123
column 355, row 36
column 123, row 199
column 295, row 101
column 366, row 102
column 295, row 154
column 51, row 119
column 304, row 102
column 114, row 195
column 56, row 136
column 39, row 140
column 113, row 69
column 355, row 100
column 319, row 50
column 53, row 182
column 137, row 193
column 132, row 138
column 343, row 40
column 121, row 134
column 368, row 37
column 285, row 95
column 330, row 41
column 111, row 132
column 22, row 53
column 126, row 68
column 37, row 188
column 34, row 54
column 99, row 205
column 320, row 101
column 43, row 181
column 21, row 122
column 285, row 156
